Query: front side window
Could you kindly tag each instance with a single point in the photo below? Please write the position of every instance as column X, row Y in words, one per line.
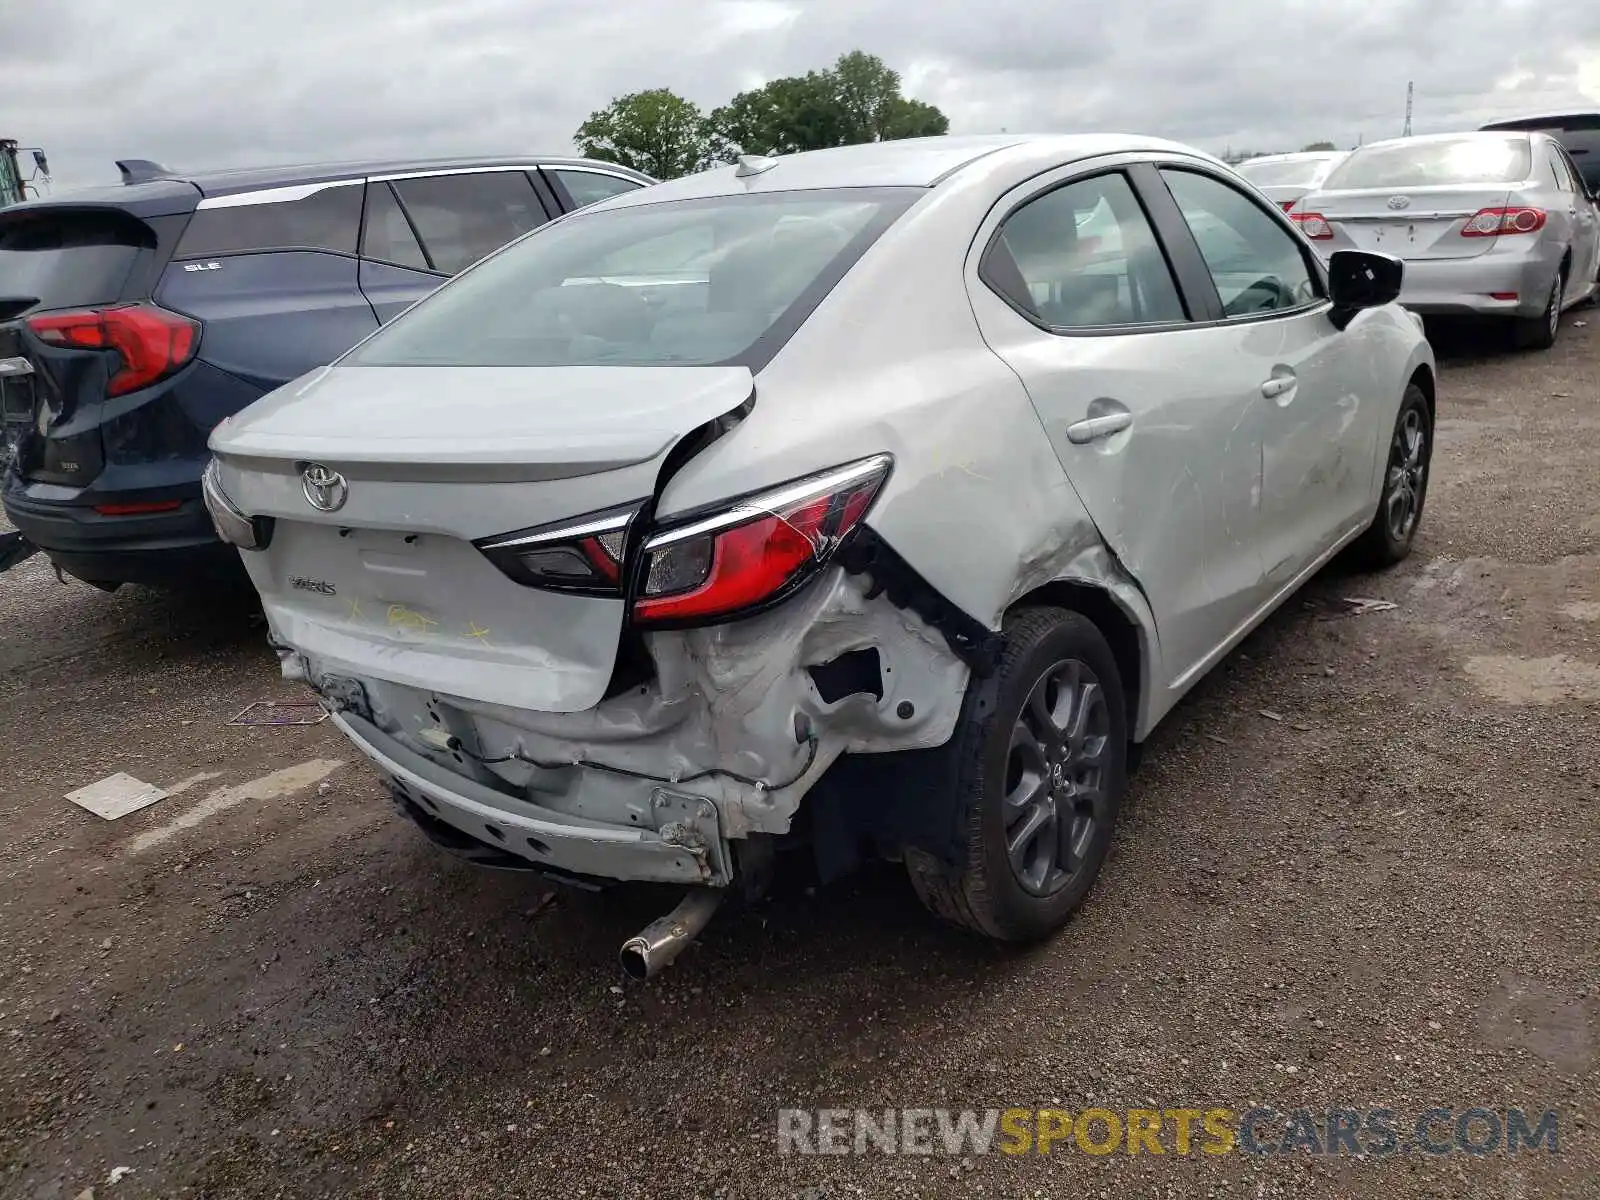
column 1083, row 256
column 462, row 218
column 329, row 218
column 591, row 187
column 1257, row 265
column 722, row 279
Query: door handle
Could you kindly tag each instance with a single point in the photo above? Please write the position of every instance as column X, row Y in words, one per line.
column 1082, row 432
column 1278, row 385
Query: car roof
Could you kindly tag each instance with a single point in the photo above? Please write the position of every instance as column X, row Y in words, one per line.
column 251, row 179
column 1550, row 120
column 1434, row 138
column 910, row 162
column 1294, row 156
column 158, row 191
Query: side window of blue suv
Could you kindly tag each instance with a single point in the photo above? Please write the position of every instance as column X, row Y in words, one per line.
column 328, row 218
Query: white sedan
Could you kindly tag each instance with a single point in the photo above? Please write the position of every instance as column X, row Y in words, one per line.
column 887, row 495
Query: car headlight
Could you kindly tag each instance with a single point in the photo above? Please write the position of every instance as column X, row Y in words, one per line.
column 232, row 526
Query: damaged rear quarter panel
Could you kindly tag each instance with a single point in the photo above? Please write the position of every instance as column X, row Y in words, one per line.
column 977, row 501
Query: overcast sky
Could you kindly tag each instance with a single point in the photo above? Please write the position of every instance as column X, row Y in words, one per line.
column 193, row 83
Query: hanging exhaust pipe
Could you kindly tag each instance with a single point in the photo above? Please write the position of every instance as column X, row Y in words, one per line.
column 661, row 941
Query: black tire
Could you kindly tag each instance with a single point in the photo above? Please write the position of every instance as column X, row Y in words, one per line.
column 1387, row 541
column 1054, row 650
column 1539, row 333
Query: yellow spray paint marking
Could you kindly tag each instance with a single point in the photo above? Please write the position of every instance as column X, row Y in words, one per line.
column 401, row 617
column 355, row 609
column 473, row 631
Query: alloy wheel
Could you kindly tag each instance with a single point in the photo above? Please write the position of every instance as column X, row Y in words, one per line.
column 1056, row 775
column 1555, row 308
column 1408, row 471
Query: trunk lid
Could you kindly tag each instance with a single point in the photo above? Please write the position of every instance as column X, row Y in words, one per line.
column 434, row 458
column 1416, row 223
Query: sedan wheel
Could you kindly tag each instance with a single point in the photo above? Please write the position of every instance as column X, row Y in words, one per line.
column 1040, row 761
column 1405, row 484
column 1539, row 333
column 1055, row 777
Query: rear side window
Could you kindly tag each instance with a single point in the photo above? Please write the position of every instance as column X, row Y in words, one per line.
column 591, row 187
column 327, row 219
column 463, row 218
column 1257, row 265
column 1083, row 256
column 1558, row 165
column 65, row 259
column 1474, row 158
column 386, row 235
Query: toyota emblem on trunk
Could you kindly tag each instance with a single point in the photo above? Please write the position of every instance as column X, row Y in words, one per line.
column 1399, row 201
column 324, row 487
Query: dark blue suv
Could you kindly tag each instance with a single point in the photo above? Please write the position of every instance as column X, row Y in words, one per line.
column 134, row 318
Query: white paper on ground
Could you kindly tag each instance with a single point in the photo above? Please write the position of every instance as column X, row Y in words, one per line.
column 116, row 796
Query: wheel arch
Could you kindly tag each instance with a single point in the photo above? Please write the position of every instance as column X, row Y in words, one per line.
column 1423, row 377
column 1130, row 639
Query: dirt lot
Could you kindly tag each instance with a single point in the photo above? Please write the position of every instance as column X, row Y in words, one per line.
column 1360, row 869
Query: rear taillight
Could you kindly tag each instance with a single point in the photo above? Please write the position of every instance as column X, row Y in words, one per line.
column 152, row 342
column 1287, row 205
column 757, row 551
column 1492, row 222
column 1314, row 225
column 583, row 555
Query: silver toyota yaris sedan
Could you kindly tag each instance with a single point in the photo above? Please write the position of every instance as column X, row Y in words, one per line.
column 1489, row 224
column 889, row 494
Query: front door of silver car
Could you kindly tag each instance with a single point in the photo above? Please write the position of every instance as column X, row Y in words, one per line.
column 1315, row 411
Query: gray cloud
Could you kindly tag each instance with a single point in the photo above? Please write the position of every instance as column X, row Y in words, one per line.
column 197, row 84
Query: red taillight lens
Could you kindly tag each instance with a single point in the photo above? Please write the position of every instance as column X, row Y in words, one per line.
column 153, row 342
column 134, row 510
column 1287, row 205
column 757, row 552
column 583, row 556
column 1314, row 225
column 1492, row 222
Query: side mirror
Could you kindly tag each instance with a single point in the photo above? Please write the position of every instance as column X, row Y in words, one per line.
column 1359, row 279
column 41, row 162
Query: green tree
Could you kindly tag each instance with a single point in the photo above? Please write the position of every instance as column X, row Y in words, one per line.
column 784, row 116
column 655, row 131
column 1320, row 146
column 858, row 99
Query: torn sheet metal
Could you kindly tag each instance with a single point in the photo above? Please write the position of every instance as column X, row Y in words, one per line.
column 116, row 796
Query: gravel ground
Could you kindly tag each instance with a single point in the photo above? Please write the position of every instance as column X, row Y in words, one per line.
column 1359, row 869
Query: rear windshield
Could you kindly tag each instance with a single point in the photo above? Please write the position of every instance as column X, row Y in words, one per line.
column 61, row 260
column 1478, row 158
column 720, row 280
column 1293, row 172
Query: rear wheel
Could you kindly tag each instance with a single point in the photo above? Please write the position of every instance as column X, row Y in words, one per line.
column 1042, row 767
column 1540, row 333
column 1405, row 484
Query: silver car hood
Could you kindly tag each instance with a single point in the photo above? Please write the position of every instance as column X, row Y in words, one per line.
column 582, row 418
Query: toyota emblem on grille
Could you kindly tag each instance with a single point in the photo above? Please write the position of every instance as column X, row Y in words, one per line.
column 324, row 487
column 1399, row 201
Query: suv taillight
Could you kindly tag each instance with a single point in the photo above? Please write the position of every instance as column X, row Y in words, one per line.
column 755, row 552
column 1493, row 222
column 153, row 342
column 1314, row 225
